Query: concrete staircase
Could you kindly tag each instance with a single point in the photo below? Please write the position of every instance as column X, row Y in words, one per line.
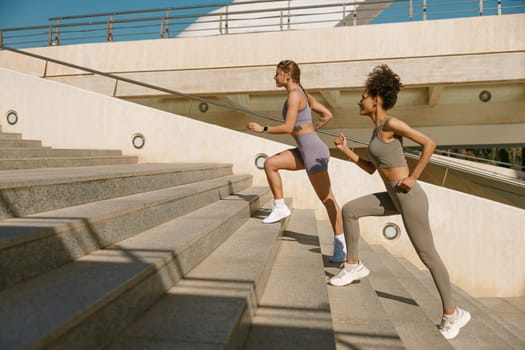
column 16, row 153
column 174, row 256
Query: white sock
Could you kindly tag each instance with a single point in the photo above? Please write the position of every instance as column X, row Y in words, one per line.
column 279, row 203
column 341, row 238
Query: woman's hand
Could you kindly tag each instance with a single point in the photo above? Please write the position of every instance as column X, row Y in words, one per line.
column 340, row 142
column 406, row 183
column 253, row 126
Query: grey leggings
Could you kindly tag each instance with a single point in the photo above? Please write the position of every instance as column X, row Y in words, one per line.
column 413, row 207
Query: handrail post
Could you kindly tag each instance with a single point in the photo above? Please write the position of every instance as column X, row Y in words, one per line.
column 166, row 31
column 481, row 7
column 57, row 34
column 344, row 14
column 411, row 10
column 281, row 20
column 109, row 31
column 424, row 10
column 226, row 21
column 288, row 23
column 1, row 39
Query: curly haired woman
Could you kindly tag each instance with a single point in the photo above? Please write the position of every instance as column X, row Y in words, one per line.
column 403, row 193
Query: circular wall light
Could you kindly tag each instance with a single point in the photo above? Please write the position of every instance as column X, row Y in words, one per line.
column 203, row 107
column 12, row 117
column 484, row 96
column 391, row 231
column 259, row 160
column 138, row 141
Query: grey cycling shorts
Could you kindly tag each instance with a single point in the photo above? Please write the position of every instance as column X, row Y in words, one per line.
column 312, row 152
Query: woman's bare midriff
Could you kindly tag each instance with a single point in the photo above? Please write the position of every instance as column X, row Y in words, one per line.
column 393, row 174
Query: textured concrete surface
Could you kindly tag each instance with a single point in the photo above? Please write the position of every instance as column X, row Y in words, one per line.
column 85, row 303
column 294, row 312
column 211, row 308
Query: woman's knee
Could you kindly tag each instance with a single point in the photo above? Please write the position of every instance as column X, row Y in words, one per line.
column 349, row 211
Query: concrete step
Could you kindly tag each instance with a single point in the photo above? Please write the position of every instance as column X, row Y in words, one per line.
column 69, row 233
column 19, row 143
column 510, row 311
column 484, row 331
column 85, row 304
column 359, row 319
column 415, row 328
column 294, row 311
column 213, row 306
column 64, row 187
column 10, row 135
column 58, row 162
column 48, row 152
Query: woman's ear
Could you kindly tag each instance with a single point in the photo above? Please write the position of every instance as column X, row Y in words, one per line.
column 378, row 101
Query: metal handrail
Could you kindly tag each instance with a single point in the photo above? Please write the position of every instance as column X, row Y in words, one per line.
column 110, row 22
column 515, row 182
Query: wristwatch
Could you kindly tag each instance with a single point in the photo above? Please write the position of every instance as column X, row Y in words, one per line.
column 265, row 130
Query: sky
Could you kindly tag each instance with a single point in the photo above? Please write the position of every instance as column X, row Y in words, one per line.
column 23, row 13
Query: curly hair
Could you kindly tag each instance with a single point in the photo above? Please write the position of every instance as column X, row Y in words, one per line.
column 383, row 82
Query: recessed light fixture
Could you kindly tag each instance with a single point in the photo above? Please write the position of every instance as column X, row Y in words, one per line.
column 138, row 141
column 260, row 159
column 12, row 117
column 484, row 96
column 203, row 107
column 391, row 231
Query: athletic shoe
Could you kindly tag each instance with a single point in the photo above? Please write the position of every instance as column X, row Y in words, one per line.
column 339, row 252
column 451, row 324
column 278, row 213
column 348, row 274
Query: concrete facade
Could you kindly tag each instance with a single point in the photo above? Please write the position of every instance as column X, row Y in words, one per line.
column 444, row 64
column 481, row 241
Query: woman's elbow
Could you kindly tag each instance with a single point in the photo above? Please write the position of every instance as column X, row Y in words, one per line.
column 431, row 145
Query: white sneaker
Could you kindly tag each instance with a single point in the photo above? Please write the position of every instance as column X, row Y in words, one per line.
column 339, row 252
column 278, row 213
column 348, row 274
column 450, row 325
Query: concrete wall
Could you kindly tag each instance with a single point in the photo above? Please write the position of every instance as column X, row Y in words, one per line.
column 480, row 241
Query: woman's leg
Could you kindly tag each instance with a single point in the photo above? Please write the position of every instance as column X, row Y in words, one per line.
column 377, row 204
column 285, row 160
column 321, row 184
column 414, row 208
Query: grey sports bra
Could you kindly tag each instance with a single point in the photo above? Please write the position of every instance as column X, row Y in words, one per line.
column 304, row 116
column 385, row 154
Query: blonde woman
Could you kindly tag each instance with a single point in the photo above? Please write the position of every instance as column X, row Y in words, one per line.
column 311, row 154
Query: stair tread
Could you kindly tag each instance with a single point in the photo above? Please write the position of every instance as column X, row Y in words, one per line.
column 40, row 307
column 76, row 231
column 484, row 330
column 359, row 318
column 218, row 296
column 31, row 177
column 294, row 311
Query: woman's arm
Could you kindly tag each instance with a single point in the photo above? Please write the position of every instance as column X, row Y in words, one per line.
column 341, row 143
column 401, row 128
column 291, row 116
column 317, row 107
